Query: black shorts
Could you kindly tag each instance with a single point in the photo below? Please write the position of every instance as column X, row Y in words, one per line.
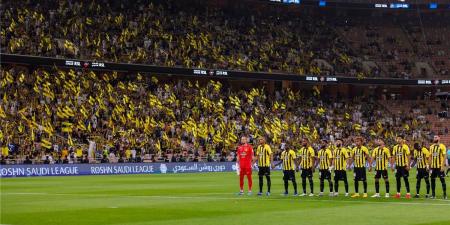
column 360, row 174
column 289, row 175
column 324, row 174
column 422, row 173
column 401, row 171
column 340, row 175
column 307, row 173
column 435, row 172
column 264, row 171
column 381, row 173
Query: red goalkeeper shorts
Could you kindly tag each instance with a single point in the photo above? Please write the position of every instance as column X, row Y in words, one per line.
column 246, row 171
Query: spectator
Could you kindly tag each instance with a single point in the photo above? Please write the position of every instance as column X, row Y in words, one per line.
column 27, row 161
column 104, row 159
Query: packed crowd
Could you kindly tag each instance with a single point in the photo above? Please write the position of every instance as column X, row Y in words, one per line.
column 67, row 116
column 189, row 34
column 172, row 35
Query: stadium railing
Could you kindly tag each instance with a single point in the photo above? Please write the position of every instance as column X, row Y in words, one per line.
column 6, row 59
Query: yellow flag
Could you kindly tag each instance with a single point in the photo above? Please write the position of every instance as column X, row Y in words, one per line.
column 320, row 111
column 67, row 127
column 70, row 141
column 158, row 146
column 2, row 113
column 316, row 91
column 32, row 134
column 81, row 126
column 276, row 105
column 46, row 144
column 357, row 127
column 347, row 116
column 379, row 125
column 406, row 127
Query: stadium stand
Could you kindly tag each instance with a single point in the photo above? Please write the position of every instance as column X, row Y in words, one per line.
column 399, row 46
column 253, row 37
column 80, row 115
column 69, row 116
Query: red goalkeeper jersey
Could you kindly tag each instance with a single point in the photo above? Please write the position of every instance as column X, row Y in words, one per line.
column 245, row 154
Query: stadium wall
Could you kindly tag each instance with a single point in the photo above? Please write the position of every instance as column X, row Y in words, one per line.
column 44, row 170
column 112, row 169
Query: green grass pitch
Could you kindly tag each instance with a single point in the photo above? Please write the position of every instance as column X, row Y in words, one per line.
column 201, row 199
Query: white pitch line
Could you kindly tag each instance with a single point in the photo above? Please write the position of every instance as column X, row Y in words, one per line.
column 236, row 198
column 25, row 193
column 290, row 199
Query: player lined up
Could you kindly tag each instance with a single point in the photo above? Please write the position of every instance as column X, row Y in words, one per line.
column 339, row 159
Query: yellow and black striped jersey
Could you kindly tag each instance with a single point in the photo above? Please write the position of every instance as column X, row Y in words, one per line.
column 332, row 147
column 288, row 157
column 437, row 152
column 421, row 158
column 325, row 157
column 263, row 152
column 359, row 155
column 401, row 155
column 381, row 156
column 340, row 158
column 306, row 155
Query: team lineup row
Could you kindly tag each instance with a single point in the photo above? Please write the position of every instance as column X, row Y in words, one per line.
column 430, row 163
